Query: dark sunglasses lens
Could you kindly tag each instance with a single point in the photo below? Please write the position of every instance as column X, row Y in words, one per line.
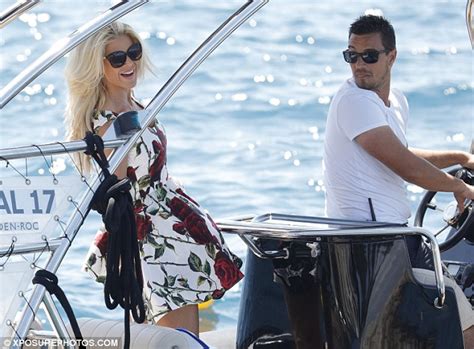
column 117, row 59
column 370, row 57
column 135, row 52
column 349, row 57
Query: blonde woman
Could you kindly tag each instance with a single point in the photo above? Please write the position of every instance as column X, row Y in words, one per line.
column 185, row 260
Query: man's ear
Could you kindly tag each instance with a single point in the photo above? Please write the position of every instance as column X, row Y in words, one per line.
column 392, row 56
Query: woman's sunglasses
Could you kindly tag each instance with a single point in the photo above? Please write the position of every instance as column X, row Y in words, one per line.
column 118, row 58
column 369, row 56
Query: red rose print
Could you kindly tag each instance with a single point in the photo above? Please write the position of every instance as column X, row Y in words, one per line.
column 197, row 229
column 182, row 193
column 143, row 194
column 101, row 241
column 179, row 228
column 160, row 135
column 159, row 162
column 144, row 226
column 226, row 270
column 217, row 294
column 179, row 208
column 138, row 206
column 193, row 222
column 131, row 174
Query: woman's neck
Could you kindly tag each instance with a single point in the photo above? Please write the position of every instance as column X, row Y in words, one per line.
column 120, row 101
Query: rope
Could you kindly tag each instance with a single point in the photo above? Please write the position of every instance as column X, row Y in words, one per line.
column 78, row 169
column 27, row 181
column 22, row 295
column 10, row 324
column 95, row 148
column 61, row 223
column 8, row 253
column 50, row 282
column 124, row 281
column 55, row 180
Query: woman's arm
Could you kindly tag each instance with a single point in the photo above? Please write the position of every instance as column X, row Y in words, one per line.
column 121, row 171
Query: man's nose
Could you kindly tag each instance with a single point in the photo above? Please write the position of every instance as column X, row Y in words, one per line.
column 359, row 62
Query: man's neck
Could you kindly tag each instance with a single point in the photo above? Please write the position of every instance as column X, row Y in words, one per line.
column 384, row 96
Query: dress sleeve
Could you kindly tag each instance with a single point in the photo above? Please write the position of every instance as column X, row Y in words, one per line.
column 102, row 117
column 357, row 114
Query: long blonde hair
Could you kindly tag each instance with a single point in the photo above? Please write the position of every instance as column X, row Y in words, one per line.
column 85, row 79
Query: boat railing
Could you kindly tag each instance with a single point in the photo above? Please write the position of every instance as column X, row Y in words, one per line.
column 285, row 227
column 16, row 10
column 470, row 20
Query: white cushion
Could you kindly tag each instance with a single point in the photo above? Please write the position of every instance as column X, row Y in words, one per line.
column 142, row 336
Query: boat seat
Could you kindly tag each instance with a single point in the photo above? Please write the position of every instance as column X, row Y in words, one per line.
column 466, row 314
column 142, row 336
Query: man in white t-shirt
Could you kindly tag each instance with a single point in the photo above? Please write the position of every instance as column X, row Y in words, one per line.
column 366, row 156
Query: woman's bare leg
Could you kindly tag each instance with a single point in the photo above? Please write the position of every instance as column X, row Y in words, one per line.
column 186, row 317
column 469, row 337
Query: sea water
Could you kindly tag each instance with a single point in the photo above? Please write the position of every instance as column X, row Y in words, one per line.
column 246, row 131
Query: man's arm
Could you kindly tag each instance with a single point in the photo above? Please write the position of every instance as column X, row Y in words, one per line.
column 445, row 158
column 384, row 145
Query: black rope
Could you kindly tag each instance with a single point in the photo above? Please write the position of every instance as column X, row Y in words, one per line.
column 50, row 282
column 124, row 281
column 95, row 148
column 75, row 204
column 27, row 181
column 45, row 247
column 56, row 218
column 28, row 303
column 55, row 180
column 10, row 324
column 8, row 253
column 79, row 169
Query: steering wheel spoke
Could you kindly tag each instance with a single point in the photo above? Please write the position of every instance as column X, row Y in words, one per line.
column 442, row 229
column 460, row 223
column 435, row 207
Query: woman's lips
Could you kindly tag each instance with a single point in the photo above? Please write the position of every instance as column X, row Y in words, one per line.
column 128, row 74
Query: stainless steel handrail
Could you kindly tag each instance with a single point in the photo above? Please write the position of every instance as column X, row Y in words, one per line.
column 470, row 20
column 22, row 249
column 52, row 149
column 15, row 11
column 63, row 46
column 160, row 99
column 289, row 232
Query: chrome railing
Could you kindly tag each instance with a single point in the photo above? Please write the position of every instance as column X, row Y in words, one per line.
column 30, row 151
column 298, row 228
column 470, row 20
column 15, row 10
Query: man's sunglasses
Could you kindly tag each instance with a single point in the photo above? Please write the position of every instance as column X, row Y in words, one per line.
column 118, row 58
column 369, row 56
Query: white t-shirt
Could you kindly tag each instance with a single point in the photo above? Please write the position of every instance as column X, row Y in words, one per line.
column 351, row 175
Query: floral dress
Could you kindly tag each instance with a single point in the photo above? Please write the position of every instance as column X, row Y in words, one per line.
column 184, row 257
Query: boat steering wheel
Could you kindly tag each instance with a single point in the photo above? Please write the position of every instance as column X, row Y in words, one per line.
column 462, row 224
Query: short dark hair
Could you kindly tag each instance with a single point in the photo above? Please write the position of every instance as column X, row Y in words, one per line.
column 369, row 24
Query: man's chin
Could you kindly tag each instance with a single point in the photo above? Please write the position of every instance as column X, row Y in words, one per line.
column 363, row 84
